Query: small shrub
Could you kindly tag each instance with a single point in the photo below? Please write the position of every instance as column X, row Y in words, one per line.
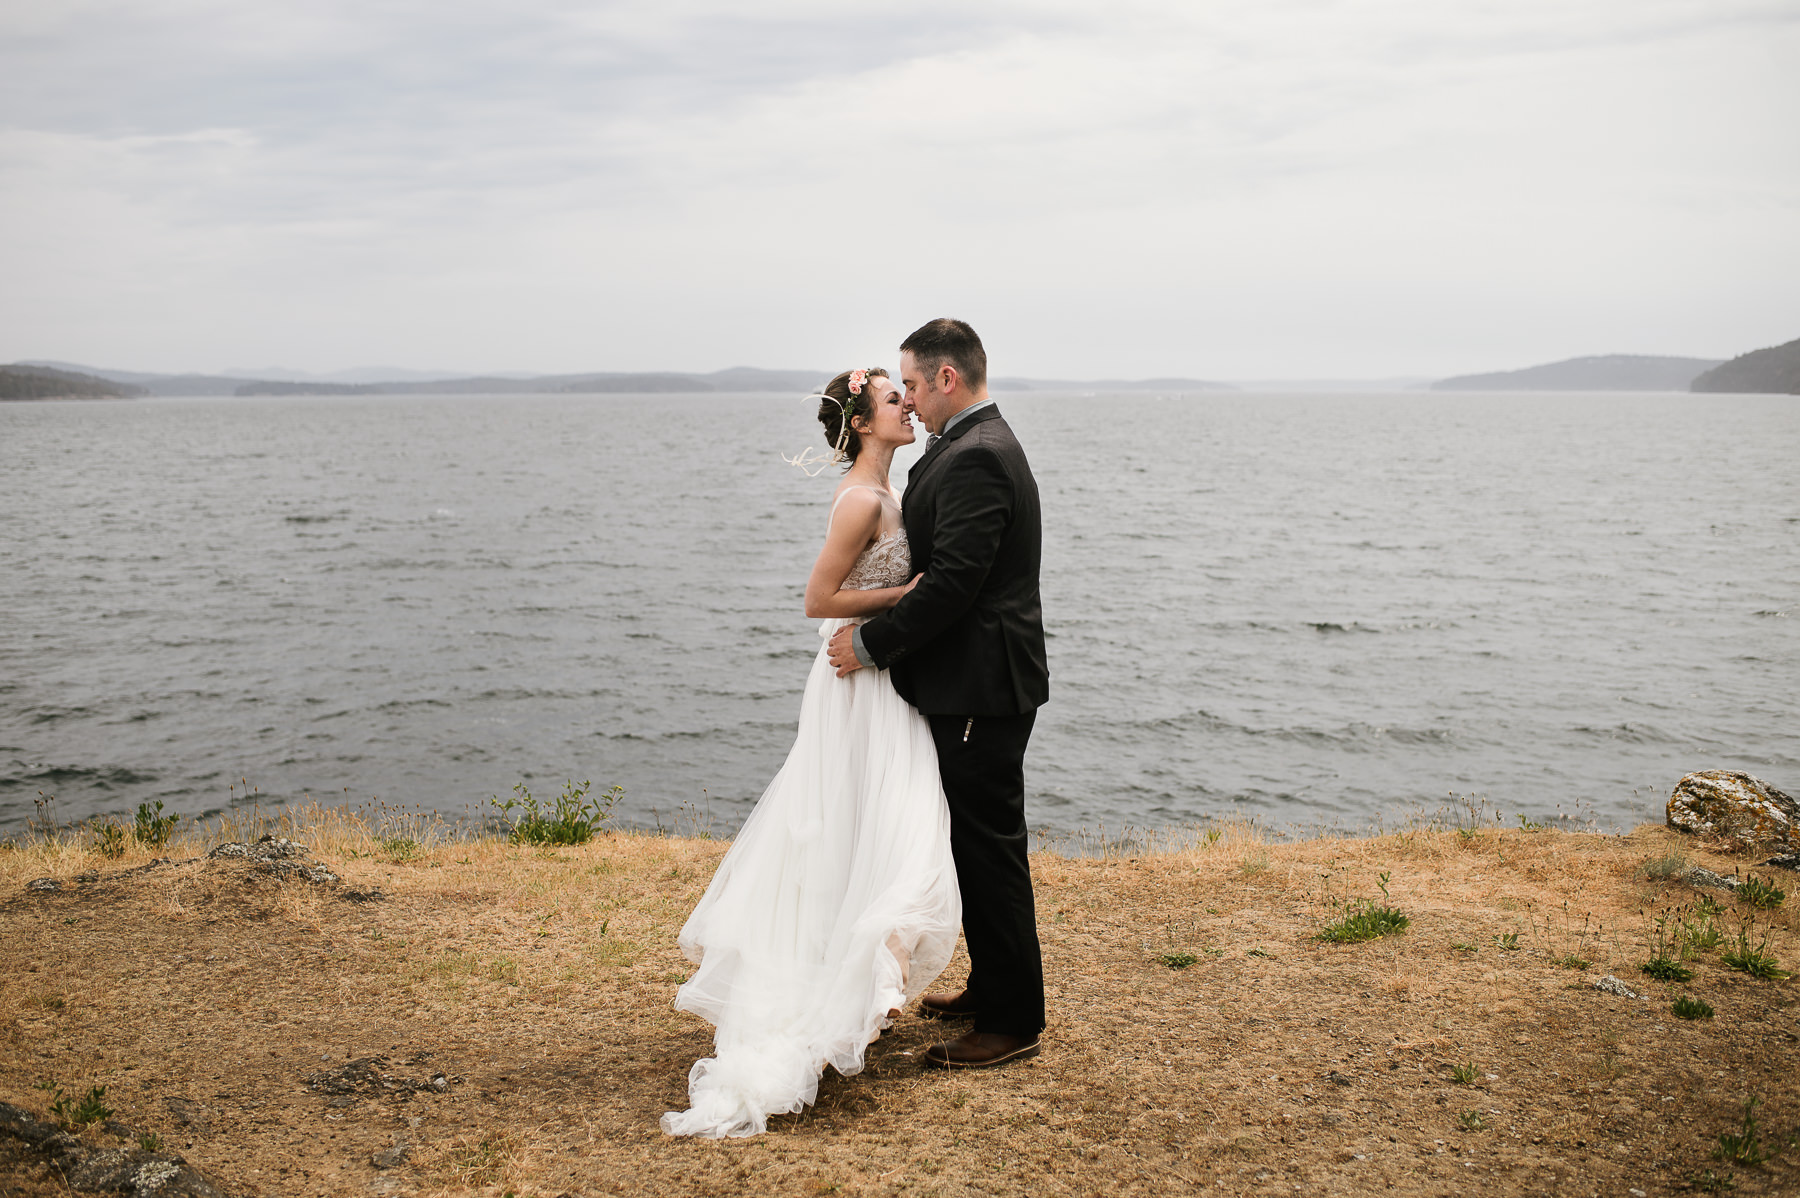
column 1743, row 1146
column 1471, row 1121
column 1464, row 1074
column 1687, row 1007
column 1177, row 960
column 1531, row 825
column 76, row 1113
column 1760, row 892
column 109, row 838
column 1665, row 970
column 1508, row 942
column 1461, row 947
column 1668, row 865
column 149, row 1141
column 575, row 819
column 153, row 828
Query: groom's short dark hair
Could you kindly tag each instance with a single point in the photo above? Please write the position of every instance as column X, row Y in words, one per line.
column 953, row 341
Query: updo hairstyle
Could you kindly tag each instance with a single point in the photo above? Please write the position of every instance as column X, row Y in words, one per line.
column 832, row 416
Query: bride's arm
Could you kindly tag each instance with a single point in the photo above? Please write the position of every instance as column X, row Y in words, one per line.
column 858, row 516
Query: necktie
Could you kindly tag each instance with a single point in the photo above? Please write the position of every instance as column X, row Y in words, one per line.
column 930, row 441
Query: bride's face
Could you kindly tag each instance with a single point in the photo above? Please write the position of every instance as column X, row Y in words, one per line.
column 889, row 421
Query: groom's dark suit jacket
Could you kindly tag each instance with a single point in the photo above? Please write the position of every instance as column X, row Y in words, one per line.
column 969, row 639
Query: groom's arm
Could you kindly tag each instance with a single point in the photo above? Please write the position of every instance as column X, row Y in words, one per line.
column 973, row 511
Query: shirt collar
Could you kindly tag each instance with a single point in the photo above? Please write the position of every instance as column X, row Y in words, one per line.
column 965, row 414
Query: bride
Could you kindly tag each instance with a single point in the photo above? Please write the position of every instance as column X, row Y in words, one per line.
column 837, row 903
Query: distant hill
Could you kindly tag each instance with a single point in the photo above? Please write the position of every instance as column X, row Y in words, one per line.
column 1087, row 385
column 21, row 381
column 1761, row 371
column 1606, row 372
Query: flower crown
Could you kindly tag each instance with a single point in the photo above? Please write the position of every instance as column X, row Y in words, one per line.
column 812, row 460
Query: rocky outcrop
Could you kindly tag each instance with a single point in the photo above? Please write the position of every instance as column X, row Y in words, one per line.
column 90, row 1168
column 274, row 855
column 1734, row 807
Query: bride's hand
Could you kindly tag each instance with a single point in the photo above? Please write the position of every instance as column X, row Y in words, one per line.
column 907, row 589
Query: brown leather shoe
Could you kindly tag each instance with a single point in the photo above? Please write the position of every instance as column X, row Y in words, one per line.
column 947, row 1006
column 981, row 1050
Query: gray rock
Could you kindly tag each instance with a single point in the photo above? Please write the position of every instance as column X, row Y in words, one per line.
column 93, row 1170
column 48, row 885
column 362, row 896
column 1784, row 861
column 392, row 1158
column 1700, row 876
column 296, row 869
column 1612, row 985
column 1733, row 806
column 269, row 848
column 366, row 1076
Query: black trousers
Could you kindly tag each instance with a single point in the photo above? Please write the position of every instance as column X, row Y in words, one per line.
column 983, row 767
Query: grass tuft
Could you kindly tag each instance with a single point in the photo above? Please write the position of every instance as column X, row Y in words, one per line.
column 1363, row 920
column 1177, row 960
column 1761, row 893
column 1686, row 1007
column 1743, row 1146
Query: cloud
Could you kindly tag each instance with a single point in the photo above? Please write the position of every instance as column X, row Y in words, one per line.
column 1230, row 188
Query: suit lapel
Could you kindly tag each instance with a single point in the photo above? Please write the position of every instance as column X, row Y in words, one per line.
column 991, row 412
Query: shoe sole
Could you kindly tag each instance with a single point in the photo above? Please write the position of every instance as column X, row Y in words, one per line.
column 1017, row 1054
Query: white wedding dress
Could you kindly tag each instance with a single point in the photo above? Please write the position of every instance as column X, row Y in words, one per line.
column 836, row 903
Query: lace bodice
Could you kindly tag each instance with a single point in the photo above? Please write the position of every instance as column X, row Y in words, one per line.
column 886, row 563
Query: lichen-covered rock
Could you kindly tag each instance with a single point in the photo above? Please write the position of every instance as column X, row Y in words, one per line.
column 1733, row 806
column 48, row 885
column 1784, row 861
column 1701, row 876
column 268, row 848
column 1612, row 985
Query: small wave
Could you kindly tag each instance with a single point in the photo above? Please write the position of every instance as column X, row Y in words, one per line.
column 1329, row 626
column 50, row 715
column 1637, row 734
column 34, row 774
column 1777, row 614
column 309, row 519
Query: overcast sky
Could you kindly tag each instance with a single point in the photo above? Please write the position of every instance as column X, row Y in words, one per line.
column 1211, row 188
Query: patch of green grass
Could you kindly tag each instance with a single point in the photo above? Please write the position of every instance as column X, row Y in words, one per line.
column 1760, row 892
column 400, row 849
column 1752, row 956
column 1531, row 825
column 1471, row 1121
column 1260, row 952
column 1665, row 970
column 1464, row 1074
column 1177, row 960
column 1743, row 1146
column 1461, row 947
column 1507, row 942
column 574, row 819
column 1364, row 921
column 1712, row 1183
column 1686, row 1007
column 149, row 1141
column 1571, row 961
column 1254, row 863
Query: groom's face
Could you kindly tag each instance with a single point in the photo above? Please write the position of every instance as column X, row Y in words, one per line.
column 922, row 395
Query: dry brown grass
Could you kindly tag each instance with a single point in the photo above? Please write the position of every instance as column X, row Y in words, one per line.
column 539, row 981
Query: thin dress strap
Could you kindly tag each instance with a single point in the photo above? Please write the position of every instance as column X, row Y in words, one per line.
column 846, row 491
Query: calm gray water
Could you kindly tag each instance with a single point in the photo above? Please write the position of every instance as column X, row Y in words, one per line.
column 1320, row 610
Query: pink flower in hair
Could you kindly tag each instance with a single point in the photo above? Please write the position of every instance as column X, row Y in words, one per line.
column 857, row 379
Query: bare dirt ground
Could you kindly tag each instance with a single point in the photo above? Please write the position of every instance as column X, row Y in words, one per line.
column 516, row 1002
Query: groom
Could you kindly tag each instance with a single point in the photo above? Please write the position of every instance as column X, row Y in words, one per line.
column 966, row 647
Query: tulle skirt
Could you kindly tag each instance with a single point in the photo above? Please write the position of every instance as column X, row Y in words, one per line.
column 836, row 903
